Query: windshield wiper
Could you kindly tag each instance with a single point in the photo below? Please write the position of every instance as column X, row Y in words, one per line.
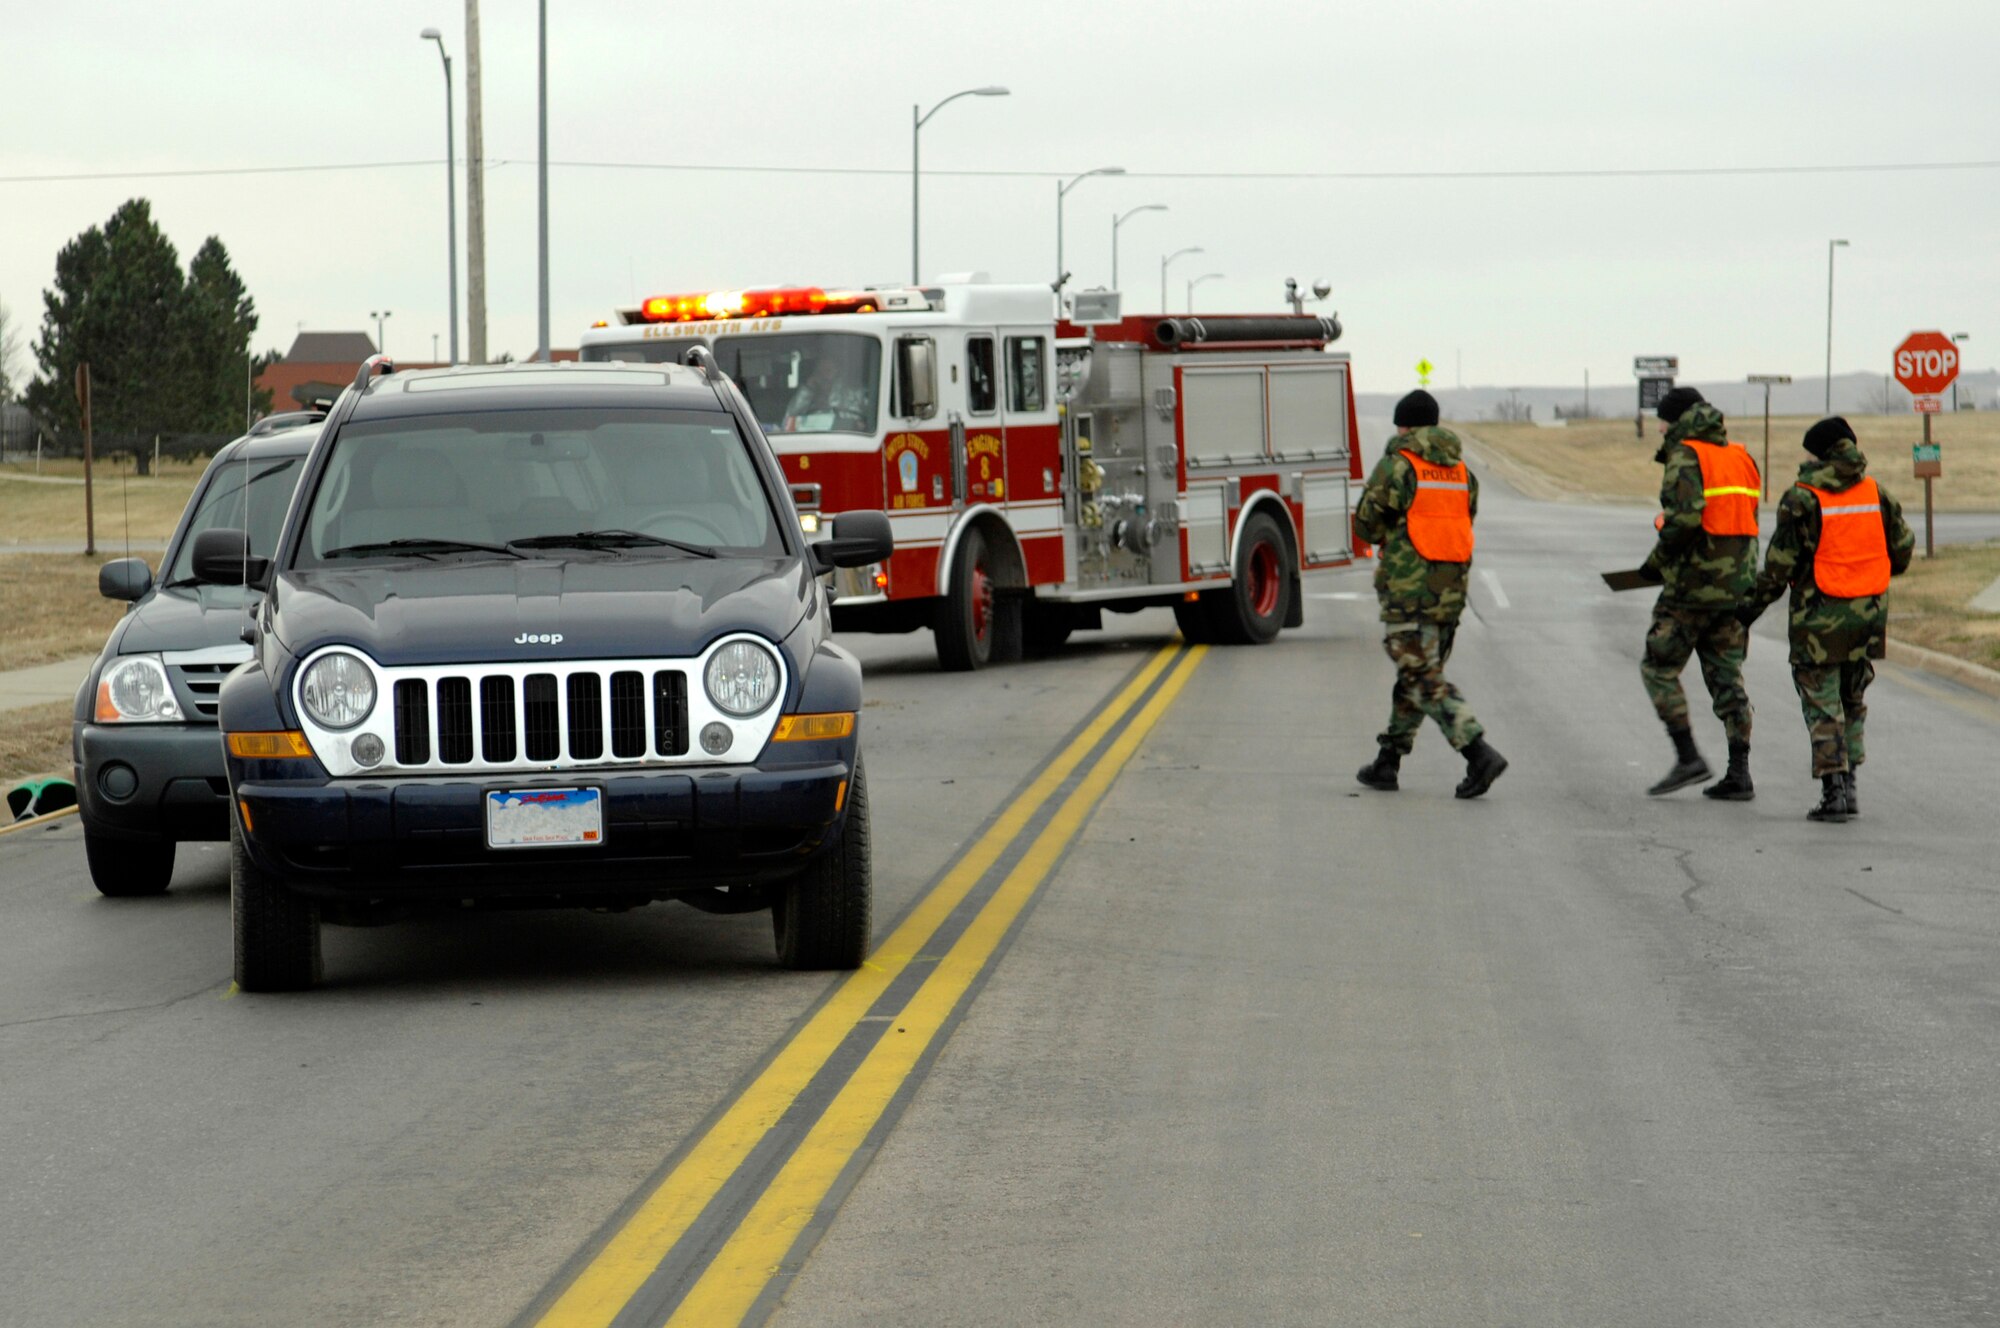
column 418, row 546
column 181, row 583
column 610, row 539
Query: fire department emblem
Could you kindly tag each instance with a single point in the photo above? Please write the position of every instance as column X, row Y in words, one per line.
column 906, row 471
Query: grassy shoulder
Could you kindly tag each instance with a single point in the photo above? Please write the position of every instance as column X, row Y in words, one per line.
column 1601, row 459
column 51, row 608
column 34, row 741
column 48, row 507
column 1929, row 605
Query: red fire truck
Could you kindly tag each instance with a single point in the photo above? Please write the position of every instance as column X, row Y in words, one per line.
column 1037, row 471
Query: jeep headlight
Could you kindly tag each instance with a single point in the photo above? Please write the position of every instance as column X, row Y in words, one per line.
column 338, row 690
column 133, row 689
column 741, row 678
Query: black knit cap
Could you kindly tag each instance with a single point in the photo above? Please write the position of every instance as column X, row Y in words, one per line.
column 1417, row 410
column 1676, row 402
column 1822, row 436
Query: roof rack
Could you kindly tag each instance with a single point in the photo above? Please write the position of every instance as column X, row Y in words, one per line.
column 703, row 358
column 368, row 367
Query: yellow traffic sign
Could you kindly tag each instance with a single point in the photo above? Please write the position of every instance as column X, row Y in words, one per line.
column 1424, row 368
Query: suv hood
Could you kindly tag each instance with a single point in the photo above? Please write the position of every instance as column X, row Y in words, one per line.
column 473, row 612
column 190, row 618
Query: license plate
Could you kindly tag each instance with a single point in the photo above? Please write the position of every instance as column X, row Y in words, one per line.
column 544, row 818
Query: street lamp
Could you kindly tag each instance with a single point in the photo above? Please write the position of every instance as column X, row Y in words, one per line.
column 1061, row 189
column 542, row 181
column 1831, row 245
column 1178, row 253
column 450, row 189
column 1116, row 222
column 917, row 123
column 381, row 342
column 1957, row 337
column 1206, row 276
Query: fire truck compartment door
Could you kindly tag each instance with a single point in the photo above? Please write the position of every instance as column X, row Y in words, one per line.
column 1308, row 412
column 1329, row 536
column 1222, row 410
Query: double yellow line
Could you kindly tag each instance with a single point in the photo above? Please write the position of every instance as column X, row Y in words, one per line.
column 733, row 1279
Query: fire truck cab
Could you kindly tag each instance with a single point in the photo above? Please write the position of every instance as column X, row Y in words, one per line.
column 1038, row 472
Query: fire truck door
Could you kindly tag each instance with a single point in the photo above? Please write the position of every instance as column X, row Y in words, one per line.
column 980, row 444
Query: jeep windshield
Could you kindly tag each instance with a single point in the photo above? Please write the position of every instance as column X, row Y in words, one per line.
column 593, row 483
column 796, row 382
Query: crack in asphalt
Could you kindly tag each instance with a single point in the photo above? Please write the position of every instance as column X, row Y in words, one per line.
column 1876, row 902
column 118, row 1009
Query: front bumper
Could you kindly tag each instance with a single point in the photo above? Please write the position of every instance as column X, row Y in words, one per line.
column 152, row 781
column 665, row 832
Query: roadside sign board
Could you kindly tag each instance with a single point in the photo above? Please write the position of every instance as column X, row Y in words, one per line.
column 1925, row 364
column 1651, row 390
column 1929, row 459
column 1927, row 405
column 1424, row 367
column 1656, row 366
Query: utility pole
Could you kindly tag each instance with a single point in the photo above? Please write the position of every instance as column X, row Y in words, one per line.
column 1831, row 245
column 450, row 194
column 542, row 177
column 475, row 192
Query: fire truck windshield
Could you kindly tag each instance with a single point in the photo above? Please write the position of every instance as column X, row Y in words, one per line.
column 807, row 382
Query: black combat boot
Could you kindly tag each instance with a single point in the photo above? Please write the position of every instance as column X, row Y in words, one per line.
column 1853, row 798
column 1688, row 769
column 1483, row 765
column 1381, row 772
column 1735, row 785
column 1833, row 805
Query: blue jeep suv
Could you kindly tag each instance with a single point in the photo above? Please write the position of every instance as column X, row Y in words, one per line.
column 542, row 635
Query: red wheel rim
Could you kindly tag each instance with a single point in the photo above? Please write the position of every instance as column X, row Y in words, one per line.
column 1264, row 576
column 982, row 601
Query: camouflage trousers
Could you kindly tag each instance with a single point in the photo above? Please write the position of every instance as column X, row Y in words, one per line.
column 1830, row 695
column 1720, row 642
column 1419, row 652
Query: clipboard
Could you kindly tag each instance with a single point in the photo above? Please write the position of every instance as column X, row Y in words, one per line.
column 1636, row 579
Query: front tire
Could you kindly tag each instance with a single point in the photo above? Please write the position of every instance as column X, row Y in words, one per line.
column 129, row 868
column 977, row 625
column 277, row 931
column 821, row 917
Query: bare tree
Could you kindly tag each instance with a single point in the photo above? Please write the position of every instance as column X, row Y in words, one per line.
column 10, row 355
column 1884, row 399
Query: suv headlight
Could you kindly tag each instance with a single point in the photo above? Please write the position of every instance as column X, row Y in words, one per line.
column 741, row 678
column 338, row 690
column 133, row 689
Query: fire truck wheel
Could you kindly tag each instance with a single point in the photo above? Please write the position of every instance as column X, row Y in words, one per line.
column 978, row 625
column 820, row 918
column 1196, row 621
column 1258, row 600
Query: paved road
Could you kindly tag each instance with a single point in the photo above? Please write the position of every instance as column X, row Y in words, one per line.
column 1252, row 1046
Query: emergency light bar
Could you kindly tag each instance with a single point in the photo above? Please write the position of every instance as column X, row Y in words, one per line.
column 775, row 302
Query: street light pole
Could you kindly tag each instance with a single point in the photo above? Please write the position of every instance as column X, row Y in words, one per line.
column 1061, row 190
column 450, row 189
column 1206, row 276
column 542, row 178
column 916, row 126
column 381, row 340
column 1164, row 262
column 1956, row 338
column 1116, row 222
column 1830, row 246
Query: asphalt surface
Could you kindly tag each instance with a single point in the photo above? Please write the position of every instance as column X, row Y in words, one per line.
column 1264, row 1047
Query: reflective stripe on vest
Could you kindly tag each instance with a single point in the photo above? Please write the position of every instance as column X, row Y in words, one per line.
column 1440, row 517
column 1852, row 560
column 1730, row 486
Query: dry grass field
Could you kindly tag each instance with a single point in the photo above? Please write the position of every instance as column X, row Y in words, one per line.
column 1601, row 459
column 1928, row 605
column 51, row 609
column 49, row 508
column 34, row 741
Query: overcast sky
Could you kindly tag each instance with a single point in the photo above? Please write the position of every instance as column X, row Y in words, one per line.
column 1528, row 280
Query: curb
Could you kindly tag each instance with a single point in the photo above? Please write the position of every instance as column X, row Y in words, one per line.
column 1961, row 671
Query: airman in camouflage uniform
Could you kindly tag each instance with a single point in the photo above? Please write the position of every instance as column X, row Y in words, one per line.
column 1833, row 640
column 1703, row 580
column 1421, row 601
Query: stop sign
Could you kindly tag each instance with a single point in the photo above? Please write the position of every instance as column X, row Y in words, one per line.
column 1926, row 363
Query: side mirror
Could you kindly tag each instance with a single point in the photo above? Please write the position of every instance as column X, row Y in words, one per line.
column 223, row 558
column 859, row 538
column 916, row 377
column 124, row 578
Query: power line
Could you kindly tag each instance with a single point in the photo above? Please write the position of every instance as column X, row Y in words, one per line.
column 1550, row 173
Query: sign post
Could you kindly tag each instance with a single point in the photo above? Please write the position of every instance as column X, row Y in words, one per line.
column 1763, row 483
column 1656, row 376
column 1926, row 364
column 89, row 501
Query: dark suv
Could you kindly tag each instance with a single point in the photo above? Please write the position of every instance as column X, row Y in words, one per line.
column 149, row 770
column 543, row 635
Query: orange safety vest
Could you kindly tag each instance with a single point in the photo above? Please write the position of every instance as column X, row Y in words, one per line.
column 1440, row 519
column 1730, row 487
column 1852, row 559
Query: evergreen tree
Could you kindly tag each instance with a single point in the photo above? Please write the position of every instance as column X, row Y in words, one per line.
column 219, row 317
